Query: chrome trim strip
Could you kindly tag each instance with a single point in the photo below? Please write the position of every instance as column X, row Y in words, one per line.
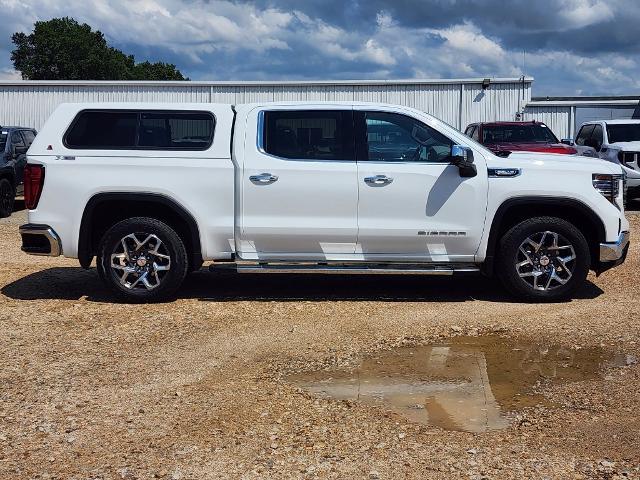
column 48, row 232
column 610, row 252
column 374, row 269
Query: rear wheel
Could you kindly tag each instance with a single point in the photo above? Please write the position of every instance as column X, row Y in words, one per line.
column 142, row 260
column 7, row 197
column 543, row 259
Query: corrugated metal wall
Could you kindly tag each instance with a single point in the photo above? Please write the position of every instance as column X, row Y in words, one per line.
column 457, row 102
column 557, row 118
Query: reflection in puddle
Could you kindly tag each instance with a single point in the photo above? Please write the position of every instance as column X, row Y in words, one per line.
column 468, row 383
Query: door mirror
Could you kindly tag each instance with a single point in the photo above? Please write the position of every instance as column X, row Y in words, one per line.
column 19, row 150
column 567, row 141
column 462, row 157
column 593, row 143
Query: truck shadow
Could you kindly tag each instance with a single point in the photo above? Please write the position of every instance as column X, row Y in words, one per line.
column 72, row 283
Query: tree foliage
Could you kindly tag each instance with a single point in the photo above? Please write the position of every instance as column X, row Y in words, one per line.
column 63, row 49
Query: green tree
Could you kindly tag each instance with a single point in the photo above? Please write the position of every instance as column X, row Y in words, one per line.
column 63, row 49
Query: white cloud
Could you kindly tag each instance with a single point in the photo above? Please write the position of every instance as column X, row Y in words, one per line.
column 582, row 13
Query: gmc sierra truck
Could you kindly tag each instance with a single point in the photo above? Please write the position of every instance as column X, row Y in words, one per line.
column 154, row 190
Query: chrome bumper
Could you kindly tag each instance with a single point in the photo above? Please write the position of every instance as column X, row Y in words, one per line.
column 611, row 252
column 40, row 240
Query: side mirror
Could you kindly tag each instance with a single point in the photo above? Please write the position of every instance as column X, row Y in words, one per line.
column 593, row 143
column 462, row 157
column 567, row 141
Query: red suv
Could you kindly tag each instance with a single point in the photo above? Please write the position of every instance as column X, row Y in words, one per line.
column 503, row 138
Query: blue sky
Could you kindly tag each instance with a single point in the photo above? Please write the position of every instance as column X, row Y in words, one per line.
column 572, row 47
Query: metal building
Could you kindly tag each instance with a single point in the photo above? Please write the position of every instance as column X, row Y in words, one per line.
column 456, row 101
column 564, row 115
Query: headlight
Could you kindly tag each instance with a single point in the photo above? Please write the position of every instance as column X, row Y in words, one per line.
column 609, row 185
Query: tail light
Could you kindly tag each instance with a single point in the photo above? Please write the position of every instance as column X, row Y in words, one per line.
column 33, row 183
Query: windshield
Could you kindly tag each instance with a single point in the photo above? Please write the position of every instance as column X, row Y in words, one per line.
column 629, row 132
column 525, row 133
column 3, row 140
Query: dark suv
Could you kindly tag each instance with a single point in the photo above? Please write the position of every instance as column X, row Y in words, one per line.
column 14, row 143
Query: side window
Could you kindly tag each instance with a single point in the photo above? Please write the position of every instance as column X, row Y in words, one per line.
column 469, row 131
column 583, row 134
column 393, row 137
column 141, row 130
column 597, row 135
column 176, row 130
column 476, row 134
column 29, row 136
column 309, row 134
column 103, row 130
column 16, row 139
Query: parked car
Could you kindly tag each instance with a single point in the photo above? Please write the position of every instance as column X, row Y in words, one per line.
column 14, row 143
column 617, row 141
column 153, row 190
column 502, row 138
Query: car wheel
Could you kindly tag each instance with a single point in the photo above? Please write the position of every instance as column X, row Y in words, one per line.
column 543, row 259
column 7, row 197
column 142, row 260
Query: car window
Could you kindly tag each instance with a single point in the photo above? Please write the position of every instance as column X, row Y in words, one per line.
column 176, row 130
column 29, row 136
column 4, row 134
column 469, row 131
column 16, row 139
column 141, row 130
column 584, row 134
column 309, row 134
column 623, row 132
column 103, row 130
column 597, row 135
column 476, row 134
column 529, row 133
column 393, row 137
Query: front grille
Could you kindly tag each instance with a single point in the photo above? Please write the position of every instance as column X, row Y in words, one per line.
column 630, row 159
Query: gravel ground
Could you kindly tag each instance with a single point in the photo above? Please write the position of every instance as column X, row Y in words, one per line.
column 196, row 389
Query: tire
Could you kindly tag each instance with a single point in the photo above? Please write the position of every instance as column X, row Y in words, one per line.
column 547, row 274
column 147, row 271
column 7, row 197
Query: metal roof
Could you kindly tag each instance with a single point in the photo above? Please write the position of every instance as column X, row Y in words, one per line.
column 264, row 83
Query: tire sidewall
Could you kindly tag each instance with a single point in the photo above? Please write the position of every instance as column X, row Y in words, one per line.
column 510, row 243
column 172, row 280
column 5, row 181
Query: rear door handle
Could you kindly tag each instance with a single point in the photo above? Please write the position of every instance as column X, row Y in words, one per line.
column 378, row 180
column 263, row 178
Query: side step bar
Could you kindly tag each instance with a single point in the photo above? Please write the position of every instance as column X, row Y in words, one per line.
column 342, row 269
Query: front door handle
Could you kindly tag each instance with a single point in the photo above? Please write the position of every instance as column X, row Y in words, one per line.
column 263, row 178
column 378, row 180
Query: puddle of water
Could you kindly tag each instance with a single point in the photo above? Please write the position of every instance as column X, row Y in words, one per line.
column 468, row 383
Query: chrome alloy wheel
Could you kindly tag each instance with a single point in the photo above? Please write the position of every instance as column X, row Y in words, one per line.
column 140, row 264
column 545, row 260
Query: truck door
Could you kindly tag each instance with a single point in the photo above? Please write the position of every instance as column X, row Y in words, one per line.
column 299, row 191
column 414, row 205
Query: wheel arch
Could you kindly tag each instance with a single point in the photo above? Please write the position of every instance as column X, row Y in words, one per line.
column 514, row 210
column 103, row 210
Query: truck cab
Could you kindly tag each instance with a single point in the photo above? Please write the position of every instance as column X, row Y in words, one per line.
column 151, row 191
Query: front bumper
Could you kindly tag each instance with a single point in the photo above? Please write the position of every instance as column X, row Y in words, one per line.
column 613, row 254
column 40, row 240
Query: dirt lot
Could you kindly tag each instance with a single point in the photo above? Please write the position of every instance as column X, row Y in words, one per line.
column 196, row 388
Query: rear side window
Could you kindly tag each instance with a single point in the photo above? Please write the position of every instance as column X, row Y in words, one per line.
column 29, row 136
column 309, row 134
column 141, row 130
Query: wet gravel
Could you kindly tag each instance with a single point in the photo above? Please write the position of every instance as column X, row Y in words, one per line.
column 197, row 388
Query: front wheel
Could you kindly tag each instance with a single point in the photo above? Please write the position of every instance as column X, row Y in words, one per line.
column 142, row 260
column 7, row 197
column 543, row 259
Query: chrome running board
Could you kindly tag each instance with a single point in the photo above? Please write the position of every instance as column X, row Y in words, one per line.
column 347, row 269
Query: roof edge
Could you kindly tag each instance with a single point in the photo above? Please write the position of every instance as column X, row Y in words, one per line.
column 230, row 83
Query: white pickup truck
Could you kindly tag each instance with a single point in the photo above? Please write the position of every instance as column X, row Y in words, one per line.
column 154, row 190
